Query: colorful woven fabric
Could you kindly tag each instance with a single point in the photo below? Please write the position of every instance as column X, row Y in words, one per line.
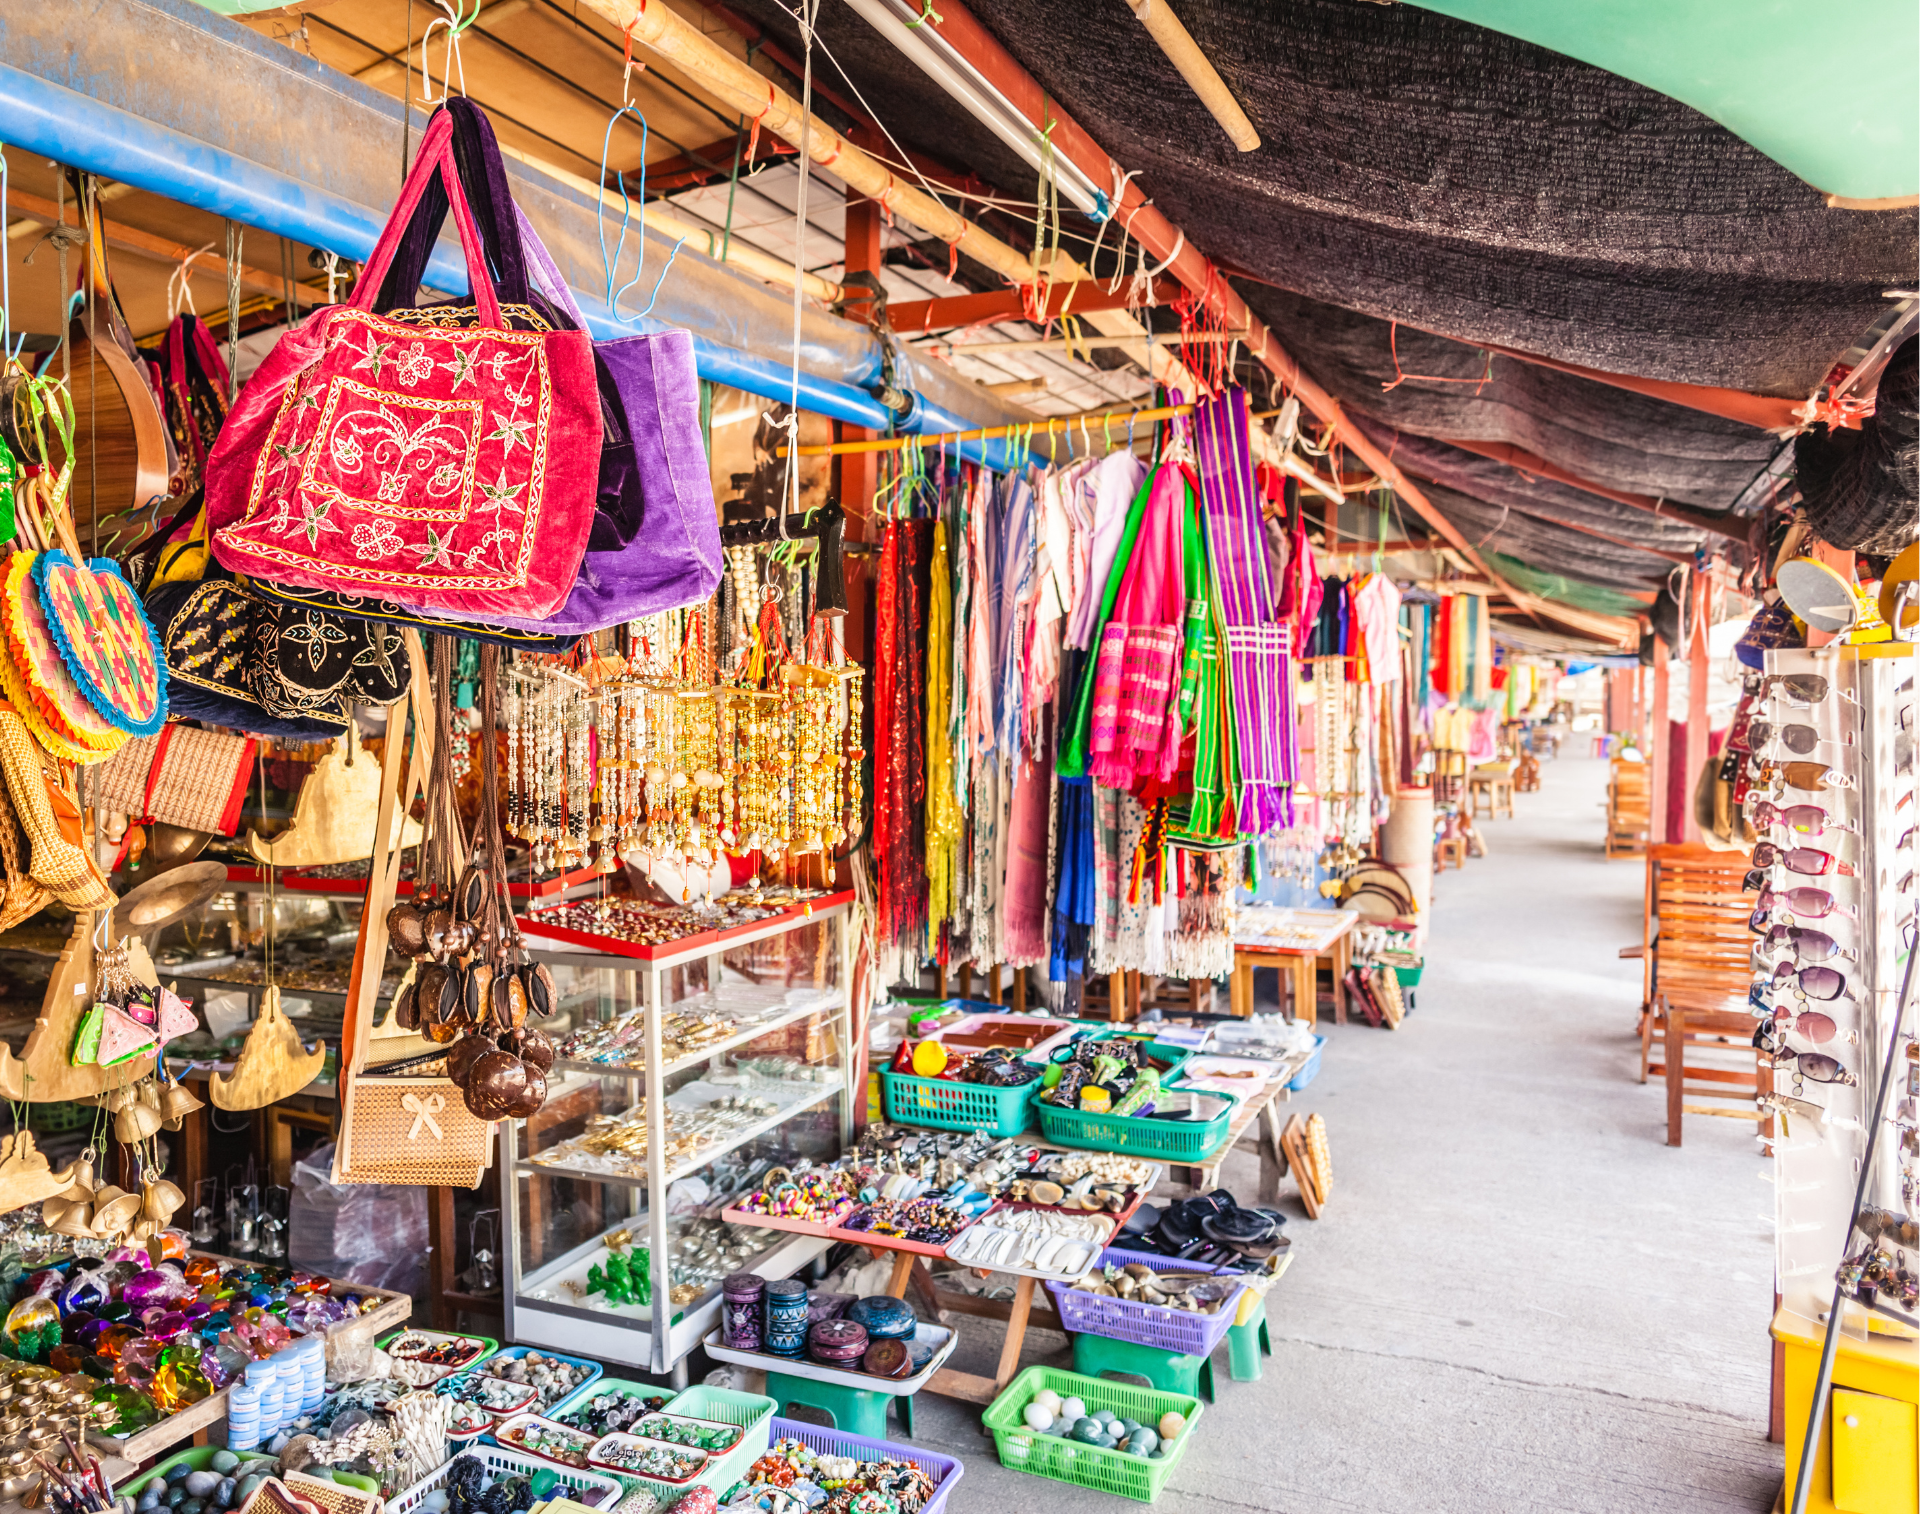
column 36, row 680
column 105, row 639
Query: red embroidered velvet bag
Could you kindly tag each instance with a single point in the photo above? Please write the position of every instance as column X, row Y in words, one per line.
column 453, row 468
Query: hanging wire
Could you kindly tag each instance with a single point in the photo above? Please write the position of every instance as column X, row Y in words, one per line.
column 809, row 14
column 456, row 21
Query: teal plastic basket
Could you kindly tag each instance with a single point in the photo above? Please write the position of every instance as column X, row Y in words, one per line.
column 944, row 1104
column 1137, row 1477
column 1135, row 1135
column 753, row 1412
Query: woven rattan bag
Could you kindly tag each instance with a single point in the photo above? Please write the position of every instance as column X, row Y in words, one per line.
column 410, row 1126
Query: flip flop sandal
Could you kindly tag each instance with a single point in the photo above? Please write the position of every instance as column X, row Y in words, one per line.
column 1144, row 1219
column 1238, row 1226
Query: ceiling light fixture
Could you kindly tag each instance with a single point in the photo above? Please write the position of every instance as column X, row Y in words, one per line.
column 935, row 57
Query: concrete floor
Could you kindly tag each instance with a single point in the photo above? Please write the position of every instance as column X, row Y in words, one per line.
column 1519, row 1298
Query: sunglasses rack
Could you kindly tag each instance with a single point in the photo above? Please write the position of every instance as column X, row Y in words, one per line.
column 1832, row 807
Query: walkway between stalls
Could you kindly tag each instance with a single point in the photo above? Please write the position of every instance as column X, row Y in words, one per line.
column 1519, row 1299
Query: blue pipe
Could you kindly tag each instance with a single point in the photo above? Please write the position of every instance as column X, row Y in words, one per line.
column 63, row 124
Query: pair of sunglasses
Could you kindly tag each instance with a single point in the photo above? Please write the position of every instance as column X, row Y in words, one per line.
column 1807, row 903
column 1822, row 983
column 1806, row 945
column 1808, row 861
column 1809, row 1025
column 1799, row 739
column 1802, row 688
column 1801, row 819
column 1812, row 777
column 1815, row 1067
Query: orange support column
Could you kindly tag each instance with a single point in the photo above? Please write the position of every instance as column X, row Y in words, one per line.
column 1697, row 734
column 1662, row 740
column 859, row 472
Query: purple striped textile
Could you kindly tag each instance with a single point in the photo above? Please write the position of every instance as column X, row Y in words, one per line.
column 1259, row 650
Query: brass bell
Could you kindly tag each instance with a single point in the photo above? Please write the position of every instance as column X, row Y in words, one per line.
column 114, row 1209
column 160, row 1200
column 177, row 1103
column 135, row 1122
column 76, row 1219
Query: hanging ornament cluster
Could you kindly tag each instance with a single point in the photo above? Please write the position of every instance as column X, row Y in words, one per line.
column 657, row 762
column 474, row 984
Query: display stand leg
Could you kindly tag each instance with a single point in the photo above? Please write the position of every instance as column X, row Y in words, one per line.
column 1016, row 1335
column 1116, row 997
column 442, row 1257
column 1019, row 990
column 993, row 984
column 902, row 1270
column 966, row 979
column 1306, row 990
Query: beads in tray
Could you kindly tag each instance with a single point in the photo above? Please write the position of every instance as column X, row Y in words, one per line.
column 699, row 1435
column 543, row 1438
column 604, row 1413
column 494, row 1395
column 552, row 1378
column 646, row 1458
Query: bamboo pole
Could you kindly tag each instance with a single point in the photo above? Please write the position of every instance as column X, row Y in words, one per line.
column 742, row 90
column 1172, row 37
column 1087, row 343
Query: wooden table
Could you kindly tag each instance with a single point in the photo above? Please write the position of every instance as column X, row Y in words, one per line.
column 1294, row 941
column 189, row 1423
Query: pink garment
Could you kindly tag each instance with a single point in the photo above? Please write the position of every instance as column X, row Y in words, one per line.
column 1115, row 481
column 1300, row 590
column 1147, row 615
column 1376, row 605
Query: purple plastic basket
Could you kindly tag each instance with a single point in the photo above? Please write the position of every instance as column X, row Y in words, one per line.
column 944, row 1470
column 1125, row 1319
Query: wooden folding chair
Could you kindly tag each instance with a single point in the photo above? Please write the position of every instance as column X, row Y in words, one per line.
column 1629, row 809
column 1696, row 971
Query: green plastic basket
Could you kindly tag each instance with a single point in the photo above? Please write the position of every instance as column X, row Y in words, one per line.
column 945, row 1104
column 753, row 1412
column 1136, row 1477
column 199, row 1458
column 1410, row 976
column 62, row 1119
column 490, row 1346
column 1137, row 1135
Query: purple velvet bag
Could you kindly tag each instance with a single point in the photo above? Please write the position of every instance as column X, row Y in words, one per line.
column 655, row 543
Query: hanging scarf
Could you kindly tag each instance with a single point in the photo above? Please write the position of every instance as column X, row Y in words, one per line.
column 1076, row 745
column 943, row 808
column 1139, row 646
column 1259, row 672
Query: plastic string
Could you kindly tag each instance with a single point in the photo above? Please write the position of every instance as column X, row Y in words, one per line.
column 610, row 262
column 456, row 21
column 809, row 12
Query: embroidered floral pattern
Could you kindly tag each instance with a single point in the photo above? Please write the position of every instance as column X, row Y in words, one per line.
column 375, row 539
column 415, row 365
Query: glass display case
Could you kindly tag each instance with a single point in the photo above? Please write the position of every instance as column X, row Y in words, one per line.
column 688, row 1071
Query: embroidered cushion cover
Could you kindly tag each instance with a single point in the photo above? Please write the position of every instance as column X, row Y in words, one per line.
column 444, row 468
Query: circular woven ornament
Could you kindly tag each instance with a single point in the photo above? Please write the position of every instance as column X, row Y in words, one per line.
column 106, row 640
column 35, row 678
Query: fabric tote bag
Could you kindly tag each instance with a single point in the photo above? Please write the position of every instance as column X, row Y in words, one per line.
column 655, row 543
column 450, row 468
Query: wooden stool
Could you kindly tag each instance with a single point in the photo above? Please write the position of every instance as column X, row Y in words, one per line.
column 858, row 1411
column 1169, row 1371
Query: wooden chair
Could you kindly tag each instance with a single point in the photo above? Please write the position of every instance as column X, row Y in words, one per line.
column 1629, row 809
column 1449, row 776
column 1696, row 955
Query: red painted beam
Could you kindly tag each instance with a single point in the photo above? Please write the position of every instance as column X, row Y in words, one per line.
column 1526, row 462
column 1085, row 298
column 684, row 170
column 1760, row 410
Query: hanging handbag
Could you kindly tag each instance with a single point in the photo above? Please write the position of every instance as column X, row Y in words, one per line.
column 184, row 776
column 48, row 811
column 654, row 473
column 451, row 468
column 410, row 1125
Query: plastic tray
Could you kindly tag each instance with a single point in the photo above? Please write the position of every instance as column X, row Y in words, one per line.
column 939, row 1337
column 594, row 1389
column 1057, row 1032
column 753, row 1412
column 450, row 1385
column 1310, row 1069
column 1063, row 1460
column 985, row 1222
column 503, row 1461
column 488, row 1345
column 945, row 1104
column 196, row 1457
column 560, row 1356
column 1125, row 1319
column 946, row 1471
column 704, row 1459
column 522, row 1422
column 1136, row 1135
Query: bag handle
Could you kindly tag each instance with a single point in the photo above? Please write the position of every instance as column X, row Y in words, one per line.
column 436, row 158
column 370, row 950
column 483, row 176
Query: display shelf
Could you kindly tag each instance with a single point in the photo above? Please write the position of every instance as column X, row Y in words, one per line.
column 356, row 888
column 666, row 1205
column 818, row 1093
column 704, row 1053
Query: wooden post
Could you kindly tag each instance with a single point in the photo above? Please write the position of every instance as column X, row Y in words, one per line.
column 442, row 1257
column 1698, row 743
column 1662, row 743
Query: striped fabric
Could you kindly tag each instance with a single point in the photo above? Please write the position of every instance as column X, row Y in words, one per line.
column 1259, row 650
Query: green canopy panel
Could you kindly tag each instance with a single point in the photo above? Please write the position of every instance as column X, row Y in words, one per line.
column 1831, row 92
column 1564, row 590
